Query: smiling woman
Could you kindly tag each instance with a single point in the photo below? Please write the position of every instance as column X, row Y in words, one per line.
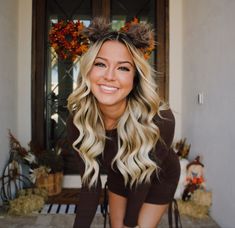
column 119, row 123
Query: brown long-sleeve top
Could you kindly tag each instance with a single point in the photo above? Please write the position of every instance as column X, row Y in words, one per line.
column 160, row 191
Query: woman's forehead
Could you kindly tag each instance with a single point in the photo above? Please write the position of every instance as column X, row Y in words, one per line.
column 115, row 50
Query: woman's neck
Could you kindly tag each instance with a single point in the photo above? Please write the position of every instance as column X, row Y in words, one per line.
column 111, row 115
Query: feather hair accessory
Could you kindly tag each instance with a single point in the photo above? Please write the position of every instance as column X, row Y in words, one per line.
column 72, row 39
column 140, row 34
column 97, row 29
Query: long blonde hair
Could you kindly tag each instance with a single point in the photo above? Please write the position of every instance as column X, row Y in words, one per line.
column 137, row 132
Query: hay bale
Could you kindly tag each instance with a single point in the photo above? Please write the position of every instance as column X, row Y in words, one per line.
column 24, row 205
column 202, row 197
column 192, row 209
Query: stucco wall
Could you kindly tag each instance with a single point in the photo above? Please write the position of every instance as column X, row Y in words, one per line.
column 209, row 68
column 175, row 63
column 8, row 75
column 24, row 71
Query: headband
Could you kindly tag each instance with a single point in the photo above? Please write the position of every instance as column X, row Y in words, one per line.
column 72, row 39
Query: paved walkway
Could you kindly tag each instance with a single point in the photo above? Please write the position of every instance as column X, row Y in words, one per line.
column 62, row 221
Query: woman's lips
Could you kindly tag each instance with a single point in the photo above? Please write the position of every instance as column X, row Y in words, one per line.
column 108, row 89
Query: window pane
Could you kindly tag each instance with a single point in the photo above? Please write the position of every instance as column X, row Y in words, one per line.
column 122, row 10
column 61, row 75
column 125, row 10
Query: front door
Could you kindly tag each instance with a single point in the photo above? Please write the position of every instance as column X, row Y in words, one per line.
column 54, row 79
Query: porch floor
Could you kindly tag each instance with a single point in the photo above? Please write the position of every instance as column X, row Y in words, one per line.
column 71, row 196
column 62, row 221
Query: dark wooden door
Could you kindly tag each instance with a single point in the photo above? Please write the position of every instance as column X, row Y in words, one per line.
column 53, row 80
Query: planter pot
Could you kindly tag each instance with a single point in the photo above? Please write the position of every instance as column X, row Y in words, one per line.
column 52, row 183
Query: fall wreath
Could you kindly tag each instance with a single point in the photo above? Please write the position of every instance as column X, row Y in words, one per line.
column 67, row 39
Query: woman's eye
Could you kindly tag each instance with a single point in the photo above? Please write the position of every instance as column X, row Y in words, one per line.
column 124, row 68
column 99, row 64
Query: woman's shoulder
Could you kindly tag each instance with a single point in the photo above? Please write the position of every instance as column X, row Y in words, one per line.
column 165, row 121
column 165, row 115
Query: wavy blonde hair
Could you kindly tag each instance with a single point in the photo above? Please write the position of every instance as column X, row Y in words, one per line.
column 137, row 132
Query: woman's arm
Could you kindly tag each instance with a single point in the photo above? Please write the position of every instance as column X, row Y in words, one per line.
column 88, row 198
column 88, row 202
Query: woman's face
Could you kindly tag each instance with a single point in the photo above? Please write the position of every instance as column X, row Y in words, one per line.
column 112, row 74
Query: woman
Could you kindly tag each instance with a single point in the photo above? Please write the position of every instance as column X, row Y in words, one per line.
column 119, row 123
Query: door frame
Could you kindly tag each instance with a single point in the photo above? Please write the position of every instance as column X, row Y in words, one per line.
column 38, row 65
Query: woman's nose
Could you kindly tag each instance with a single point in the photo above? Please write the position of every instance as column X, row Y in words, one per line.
column 109, row 74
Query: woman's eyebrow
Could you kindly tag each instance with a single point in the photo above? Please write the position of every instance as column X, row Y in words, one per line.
column 98, row 57
column 119, row 62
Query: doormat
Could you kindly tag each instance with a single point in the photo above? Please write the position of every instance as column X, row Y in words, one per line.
column 58, row 209
column 63, row 209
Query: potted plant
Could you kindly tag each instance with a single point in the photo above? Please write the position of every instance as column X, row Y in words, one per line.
column 45, row 166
